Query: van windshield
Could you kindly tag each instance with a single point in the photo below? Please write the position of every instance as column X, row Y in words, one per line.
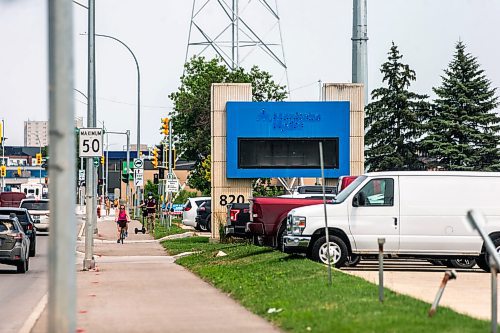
column 348, row 190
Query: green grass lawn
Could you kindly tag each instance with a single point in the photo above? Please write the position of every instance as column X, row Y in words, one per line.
column 162, row 231
column 260, row 279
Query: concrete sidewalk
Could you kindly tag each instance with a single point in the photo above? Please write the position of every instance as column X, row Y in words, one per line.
column 138, row 288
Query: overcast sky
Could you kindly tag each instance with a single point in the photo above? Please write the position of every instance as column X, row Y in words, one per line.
column 316, row 39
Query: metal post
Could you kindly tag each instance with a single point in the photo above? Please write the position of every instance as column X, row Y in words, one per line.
column 359, row 45
column 62, row 238
column 494, row 271
column 381, row 242
column 170, row 168
column 327, row 234
column 448, row 275
column 107, row 164
column 127, row 189
column 3, row 153
column 88, row 262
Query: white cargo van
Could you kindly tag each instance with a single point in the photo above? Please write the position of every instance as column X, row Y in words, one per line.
column 420, row 215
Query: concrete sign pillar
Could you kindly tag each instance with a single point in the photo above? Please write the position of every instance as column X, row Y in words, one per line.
column 353, row 93
column 225, row 191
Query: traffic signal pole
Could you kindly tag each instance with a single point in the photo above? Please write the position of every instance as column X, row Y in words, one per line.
column 170, row 175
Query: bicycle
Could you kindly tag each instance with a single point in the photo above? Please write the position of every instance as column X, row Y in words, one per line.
column 122, row 234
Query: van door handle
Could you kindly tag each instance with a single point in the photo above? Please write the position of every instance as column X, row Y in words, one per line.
column 395, row 221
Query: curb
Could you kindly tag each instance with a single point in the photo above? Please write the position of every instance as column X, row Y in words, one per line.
column 143, row 241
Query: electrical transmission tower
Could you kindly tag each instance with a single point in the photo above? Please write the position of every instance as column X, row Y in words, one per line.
column 240, row 33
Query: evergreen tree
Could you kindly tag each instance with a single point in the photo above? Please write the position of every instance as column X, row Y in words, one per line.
column 463, row 127
column 394, row 120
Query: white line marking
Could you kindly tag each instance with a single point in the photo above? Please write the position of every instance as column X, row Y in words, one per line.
column 35, row 314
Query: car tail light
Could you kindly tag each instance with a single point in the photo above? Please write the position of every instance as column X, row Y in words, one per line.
column 18, row 237
column 187, row 209
column 30, row 226
column 233, row 213
column 202, row 209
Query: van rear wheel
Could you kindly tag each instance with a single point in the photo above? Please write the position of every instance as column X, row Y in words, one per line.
column 338, row 251
column 483, row 261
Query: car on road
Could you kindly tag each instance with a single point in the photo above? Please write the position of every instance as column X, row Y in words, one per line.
column 39, row 211
column 189, row 211
column 14, row 245
column 11, row 199
column 204, row 216
column 26, row 221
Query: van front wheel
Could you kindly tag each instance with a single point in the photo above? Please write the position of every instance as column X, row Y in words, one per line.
column 338, row 251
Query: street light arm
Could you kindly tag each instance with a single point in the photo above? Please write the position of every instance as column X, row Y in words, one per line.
column 128, row 48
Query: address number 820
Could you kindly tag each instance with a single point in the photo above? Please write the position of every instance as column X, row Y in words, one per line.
column 229, row 199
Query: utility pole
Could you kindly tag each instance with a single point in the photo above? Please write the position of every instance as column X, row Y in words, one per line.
column 62, row 238
column 360, row 45
column 88, row 262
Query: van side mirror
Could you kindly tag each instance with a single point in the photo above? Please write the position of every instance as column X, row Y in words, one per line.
column 359, row 200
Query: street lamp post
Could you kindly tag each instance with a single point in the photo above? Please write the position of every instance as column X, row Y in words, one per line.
column 138, row 105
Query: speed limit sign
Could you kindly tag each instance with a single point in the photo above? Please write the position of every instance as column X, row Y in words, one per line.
column 90, row 142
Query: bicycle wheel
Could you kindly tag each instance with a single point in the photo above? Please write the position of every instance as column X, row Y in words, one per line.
column 122, row 235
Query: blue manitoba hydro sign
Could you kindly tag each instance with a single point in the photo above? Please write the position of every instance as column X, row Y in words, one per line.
column 281, row 139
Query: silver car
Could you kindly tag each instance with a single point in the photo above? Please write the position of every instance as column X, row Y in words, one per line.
column 14, row 244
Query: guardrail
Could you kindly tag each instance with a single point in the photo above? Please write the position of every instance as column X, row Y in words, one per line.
column 477, row 221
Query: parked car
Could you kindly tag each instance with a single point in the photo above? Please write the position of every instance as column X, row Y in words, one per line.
column 204, row 216
column 14, row 245
column 39, row 211
column 26, row 222
column 419, row 214
column 11, row 199
column 267, row 218
column 238, row 215
column 189, row 211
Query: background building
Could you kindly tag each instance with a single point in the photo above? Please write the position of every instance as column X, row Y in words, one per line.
column 36, row 133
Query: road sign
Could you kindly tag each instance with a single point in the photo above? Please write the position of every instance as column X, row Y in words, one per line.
column 90, row 142
column 138, row 163
column 172, row 185
column 81, row 175
column 138, row 177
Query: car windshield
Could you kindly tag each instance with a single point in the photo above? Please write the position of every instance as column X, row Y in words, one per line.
column 21, row 215
column 7, row 225
column 348, row 190
column 35, row 205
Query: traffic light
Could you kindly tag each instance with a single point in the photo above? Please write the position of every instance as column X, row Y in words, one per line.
column 102, row 160
column 38, row 159
column 96, row 161
column 19, row 171
column 3, row 171
column 164, row 126
column 155, row 157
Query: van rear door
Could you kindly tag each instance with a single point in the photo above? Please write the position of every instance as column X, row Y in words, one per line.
column 374, row 213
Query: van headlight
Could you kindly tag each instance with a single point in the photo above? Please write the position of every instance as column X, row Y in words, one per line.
column 298, row 225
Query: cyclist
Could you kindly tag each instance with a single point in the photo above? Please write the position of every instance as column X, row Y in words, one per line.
column 122, row 219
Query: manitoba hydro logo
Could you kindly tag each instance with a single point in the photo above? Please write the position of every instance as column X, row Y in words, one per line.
column 288, row 121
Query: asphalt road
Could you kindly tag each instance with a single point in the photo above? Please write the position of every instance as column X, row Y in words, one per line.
column 20, row 293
